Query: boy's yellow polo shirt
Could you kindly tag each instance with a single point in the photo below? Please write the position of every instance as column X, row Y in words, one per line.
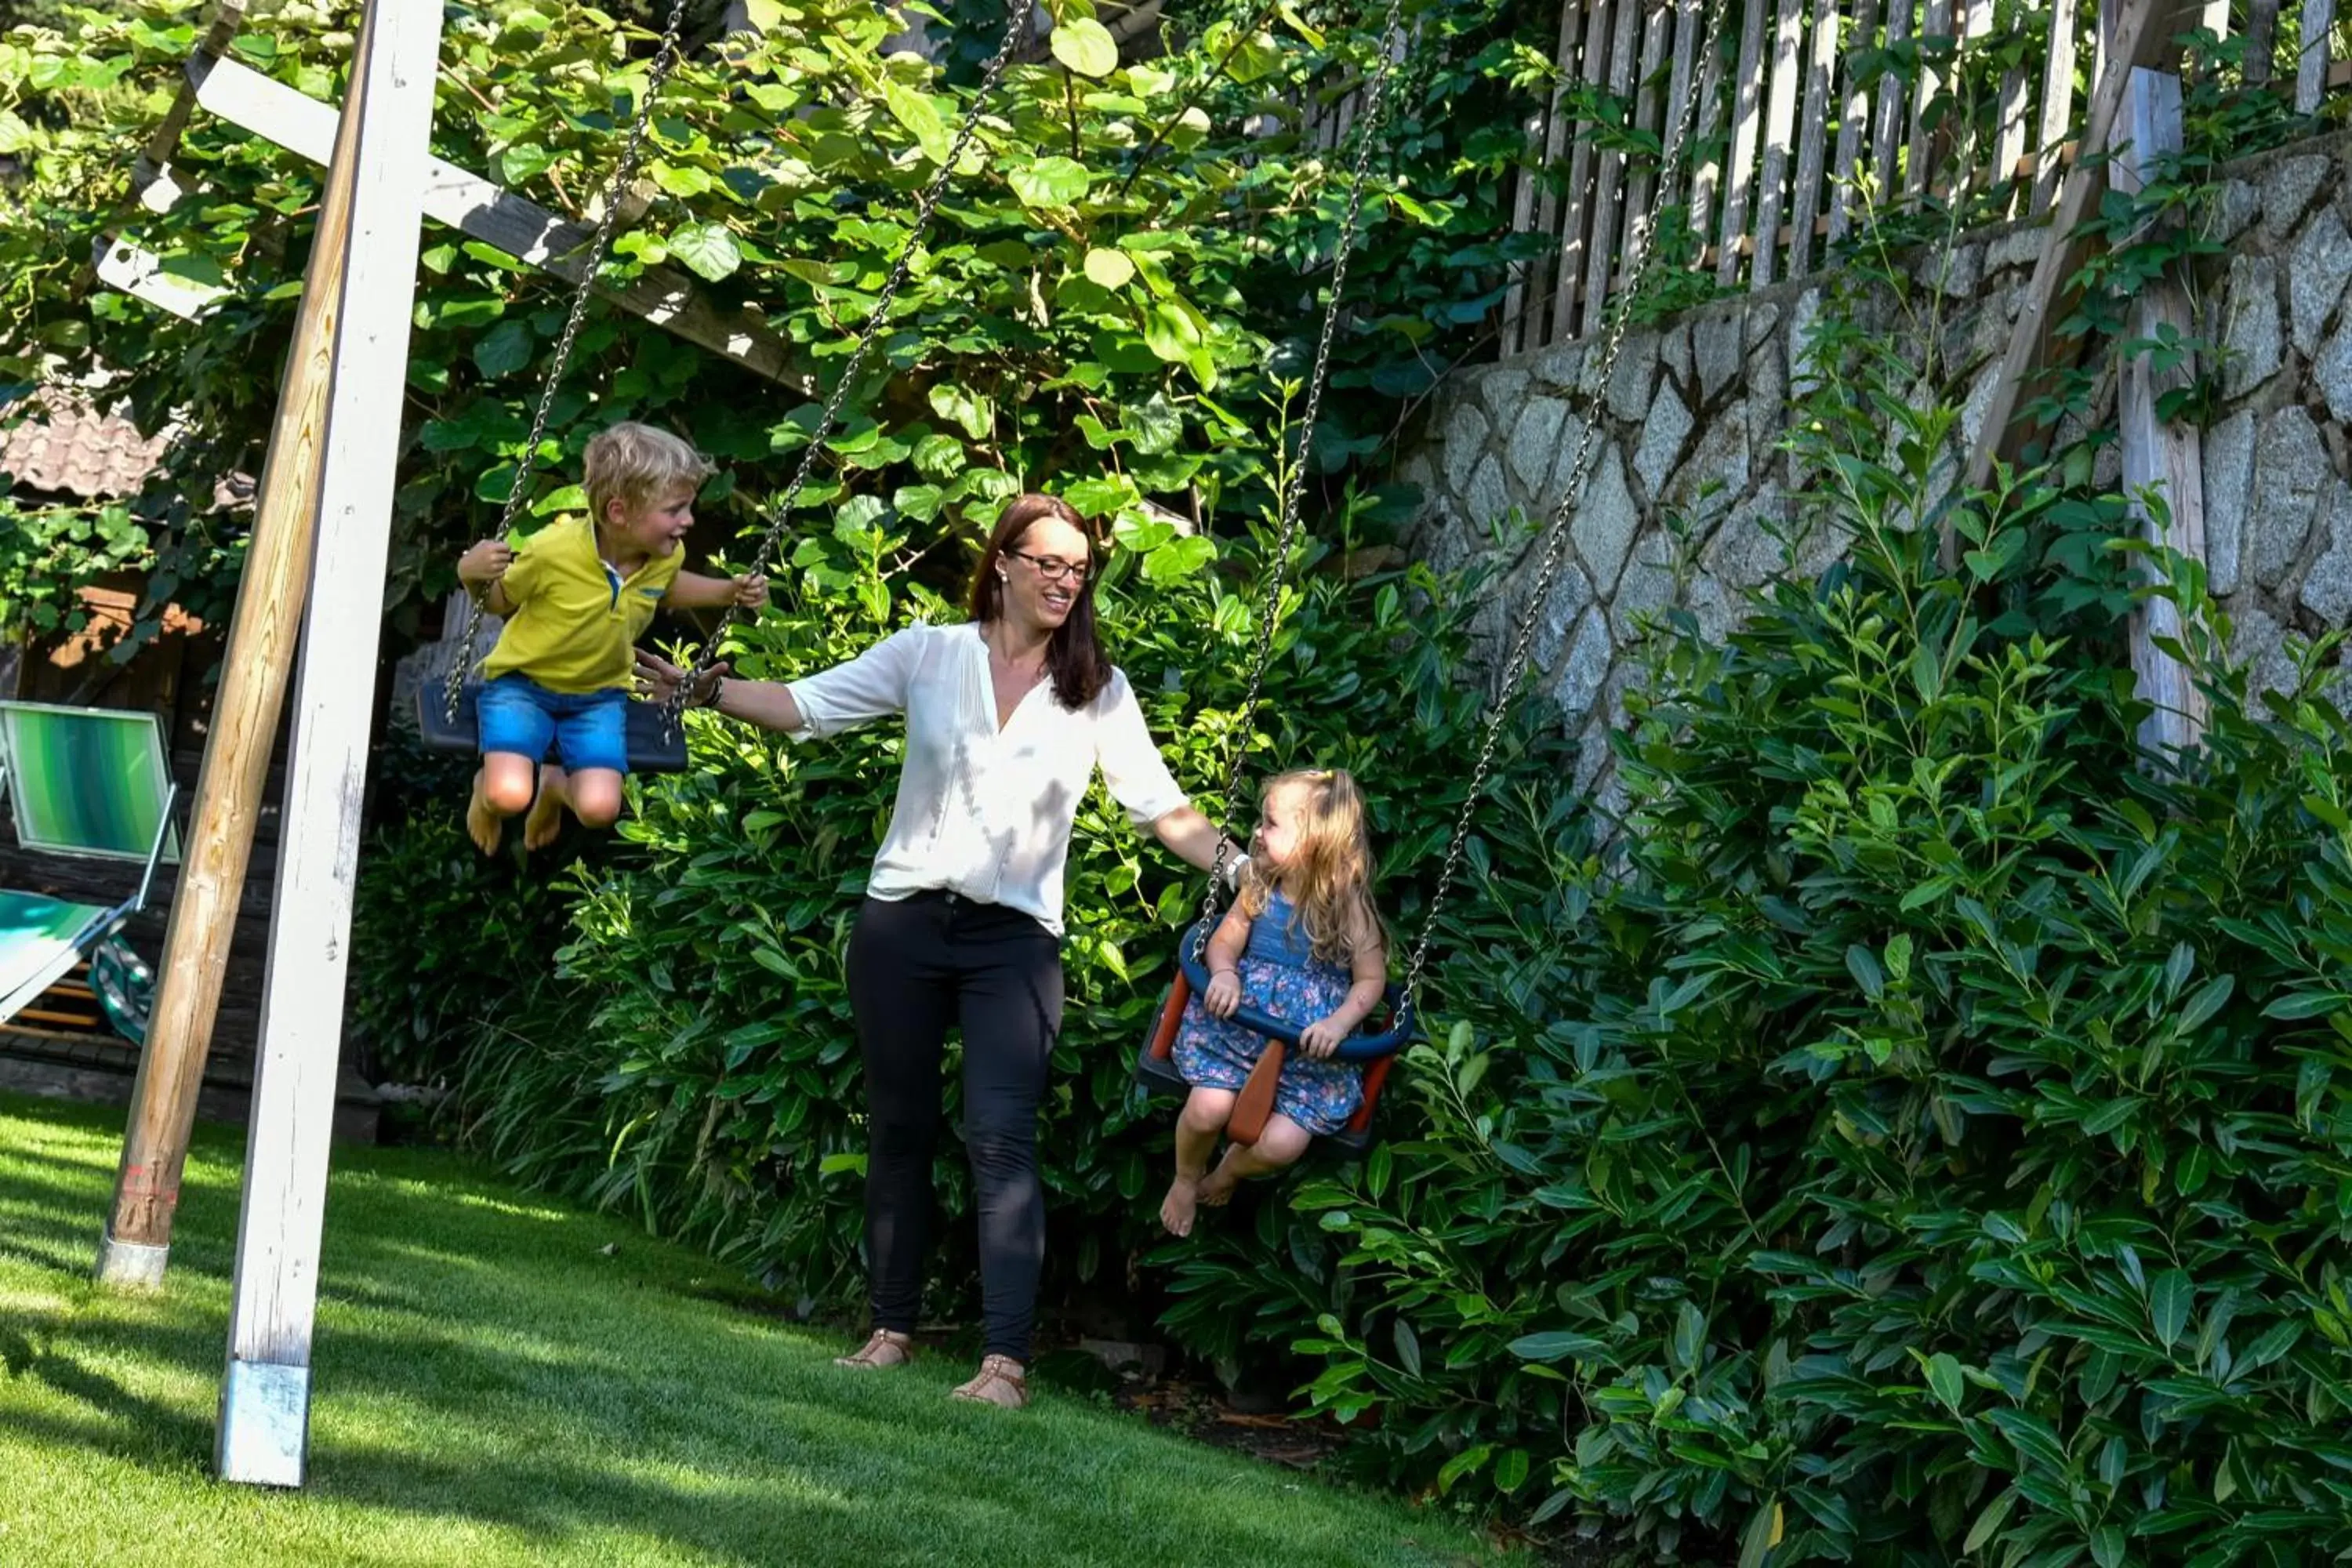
column 575, row 618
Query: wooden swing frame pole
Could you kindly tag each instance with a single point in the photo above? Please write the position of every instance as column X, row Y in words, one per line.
column 386, row 72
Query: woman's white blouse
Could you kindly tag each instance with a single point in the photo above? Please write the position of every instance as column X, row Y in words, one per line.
column 981, row 812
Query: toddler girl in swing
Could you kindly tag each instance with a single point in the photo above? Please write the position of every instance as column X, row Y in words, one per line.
column 1301, row 941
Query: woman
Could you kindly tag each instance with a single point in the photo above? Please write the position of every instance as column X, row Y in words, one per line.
column 1007, row 717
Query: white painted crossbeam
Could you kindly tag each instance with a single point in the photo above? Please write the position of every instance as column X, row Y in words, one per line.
column 497, row 216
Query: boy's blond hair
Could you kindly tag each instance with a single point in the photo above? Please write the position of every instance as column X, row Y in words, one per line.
column 634, row 463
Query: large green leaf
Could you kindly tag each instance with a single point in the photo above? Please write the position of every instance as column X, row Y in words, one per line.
column 920, row 117
column 504, row 349
column 1171, row 331
column 2170, row 1299
column 708, row 249
column 1049, row 181
column 518, row 164
column 1085, row 46
column 975, row 415
column 1111, row 268
column 1178, row 559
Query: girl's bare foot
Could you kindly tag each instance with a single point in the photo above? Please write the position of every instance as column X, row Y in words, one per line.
column 546, row 819
column 483, row 825
column 1217, row 1186
column 1176, row 1210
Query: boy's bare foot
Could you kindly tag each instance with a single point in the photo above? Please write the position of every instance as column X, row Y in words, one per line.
column 546, row 819
column 482, row 824
column 1217, row 1186
column 1176, row 1210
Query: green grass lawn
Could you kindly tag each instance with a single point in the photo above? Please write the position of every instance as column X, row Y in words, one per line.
column 491, row 1387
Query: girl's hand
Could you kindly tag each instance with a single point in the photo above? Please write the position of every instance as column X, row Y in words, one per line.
column 1323, row 1037
column 657, row 678
column 485, row 563
column 751, row 592
column 1224, row 996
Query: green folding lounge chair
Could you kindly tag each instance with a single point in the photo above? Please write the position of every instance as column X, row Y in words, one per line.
column 88, row 782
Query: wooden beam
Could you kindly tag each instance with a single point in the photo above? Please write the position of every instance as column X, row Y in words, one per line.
column 2261, row 40
column 2311, row 64
column 154, row 161
column 1604, row 240
column 1534, row 311
column 1657, row 32
column 2162, row 457
column 265, row 1397
column 1785, row 72
column 2144, row 31
column 1888, row 127
column 140, row 273
column 254, row 667
column 497, row 216
column 1568, row 271
column 2057, row 105
column 151, row 172
column 1748, row 91
column 1812, row 137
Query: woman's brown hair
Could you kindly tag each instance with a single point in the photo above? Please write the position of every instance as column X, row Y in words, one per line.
column 1075, row 656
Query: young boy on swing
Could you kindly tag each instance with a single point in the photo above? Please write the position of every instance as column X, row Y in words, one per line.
column 576, row 596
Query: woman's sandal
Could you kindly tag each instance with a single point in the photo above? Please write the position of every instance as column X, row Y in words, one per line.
column 884, row 1348
column 1001, row 1383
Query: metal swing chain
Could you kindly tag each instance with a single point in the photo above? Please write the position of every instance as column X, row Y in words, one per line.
column 666, row 60
column 1366, row 127
column 1016, row 27
column 1556, row 533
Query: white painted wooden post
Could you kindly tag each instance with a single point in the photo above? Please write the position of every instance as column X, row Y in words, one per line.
column 2158, row 455
column 382, row 148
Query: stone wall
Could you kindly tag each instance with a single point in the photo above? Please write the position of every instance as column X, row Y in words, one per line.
column 1689, row 502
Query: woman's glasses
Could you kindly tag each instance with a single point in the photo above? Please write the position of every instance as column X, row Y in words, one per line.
column 1054, row 570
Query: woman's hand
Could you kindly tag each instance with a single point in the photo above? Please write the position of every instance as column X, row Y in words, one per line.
column 485, row 563
column 1324, row 1035
column 657, row 678
column 1224, row 996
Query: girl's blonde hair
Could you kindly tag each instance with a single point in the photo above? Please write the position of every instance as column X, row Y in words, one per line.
column 1329, row 877
column 634, row 463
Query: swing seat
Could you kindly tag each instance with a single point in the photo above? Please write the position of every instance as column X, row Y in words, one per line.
column 1375, row 1043
column 655, row 745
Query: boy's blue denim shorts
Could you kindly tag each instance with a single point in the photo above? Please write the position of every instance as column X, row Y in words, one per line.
column 589, row 728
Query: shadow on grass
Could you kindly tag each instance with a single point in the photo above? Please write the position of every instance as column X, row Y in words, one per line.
column 482, row 1358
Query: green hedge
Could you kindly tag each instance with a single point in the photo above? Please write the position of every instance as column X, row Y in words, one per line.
column 1943, row 1145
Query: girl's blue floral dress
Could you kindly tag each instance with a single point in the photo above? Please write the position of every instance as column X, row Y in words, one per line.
column 1279, row 975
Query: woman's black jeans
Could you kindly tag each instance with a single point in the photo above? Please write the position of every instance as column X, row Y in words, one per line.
column 918, row 966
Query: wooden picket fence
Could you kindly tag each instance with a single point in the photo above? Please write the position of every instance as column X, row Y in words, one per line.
column 1795, row 137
